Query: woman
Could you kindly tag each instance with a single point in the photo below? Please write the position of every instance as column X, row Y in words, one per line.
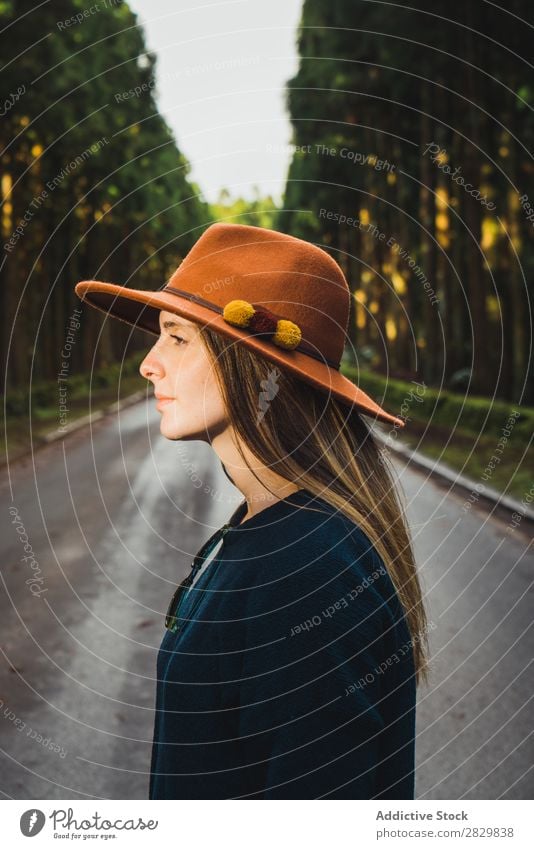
column 290, row 659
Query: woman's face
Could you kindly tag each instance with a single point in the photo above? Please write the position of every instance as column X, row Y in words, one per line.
column 185, row 387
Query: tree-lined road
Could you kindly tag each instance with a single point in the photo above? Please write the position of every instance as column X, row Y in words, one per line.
column 114, row 514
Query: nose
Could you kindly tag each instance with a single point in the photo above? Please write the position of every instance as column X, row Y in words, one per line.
column 151, row 368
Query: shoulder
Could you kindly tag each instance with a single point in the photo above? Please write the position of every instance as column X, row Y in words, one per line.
column 309, row 558
column 322, row 540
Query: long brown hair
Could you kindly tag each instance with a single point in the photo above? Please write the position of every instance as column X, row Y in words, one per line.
column 309, row 438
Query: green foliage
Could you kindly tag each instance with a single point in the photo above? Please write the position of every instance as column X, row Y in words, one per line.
column 258, row 212
column 379, row 82
column 96, row 170
column 439, row 407
column 43, row 396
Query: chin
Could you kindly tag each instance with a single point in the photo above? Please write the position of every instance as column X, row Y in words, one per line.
column 173, row 430
column 170, row 433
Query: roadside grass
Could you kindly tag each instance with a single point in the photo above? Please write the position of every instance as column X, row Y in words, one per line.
column 31, row 416
column 22, row 432
column 513, row 475
column 489, row 441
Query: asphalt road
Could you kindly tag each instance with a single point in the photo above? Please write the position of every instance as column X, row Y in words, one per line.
column 113, row 516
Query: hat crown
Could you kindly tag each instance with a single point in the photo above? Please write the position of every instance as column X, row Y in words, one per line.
column 290, row 277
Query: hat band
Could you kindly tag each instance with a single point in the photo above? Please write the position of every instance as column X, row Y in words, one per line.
column 303, row 346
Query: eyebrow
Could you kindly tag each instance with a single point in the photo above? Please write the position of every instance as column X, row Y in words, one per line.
column 167, row 324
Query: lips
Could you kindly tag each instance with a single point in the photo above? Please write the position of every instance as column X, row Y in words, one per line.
column 163, row 401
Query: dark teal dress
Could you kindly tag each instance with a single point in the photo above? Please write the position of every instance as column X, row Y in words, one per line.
column 294, row 679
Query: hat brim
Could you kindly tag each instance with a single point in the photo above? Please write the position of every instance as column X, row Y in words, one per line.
column 141, row 308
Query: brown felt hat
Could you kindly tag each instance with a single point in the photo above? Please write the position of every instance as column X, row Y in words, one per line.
column 282, row 297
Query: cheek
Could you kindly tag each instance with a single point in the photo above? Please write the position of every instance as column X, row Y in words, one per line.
column 195, row 384
column 209, row 401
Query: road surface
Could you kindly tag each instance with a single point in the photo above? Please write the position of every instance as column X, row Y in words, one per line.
column 109, row 520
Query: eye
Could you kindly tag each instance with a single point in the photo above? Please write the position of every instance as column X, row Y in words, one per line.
column 178, row 338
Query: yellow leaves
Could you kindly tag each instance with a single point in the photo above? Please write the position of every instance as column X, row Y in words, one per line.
column 399, row 283
column 392, row 179
column 360, row 296
column 513, row 200
column 6, row 184
column 486, row 189
column 361, row 317
column 364, row 217
column 442, row 198
column 490, row 233
column 7, row 208
column 99, row 213
column 367, row 276
column 7, row 219
column 442, row 221
column 374, row 306
column 391, row 329
column 493, row 307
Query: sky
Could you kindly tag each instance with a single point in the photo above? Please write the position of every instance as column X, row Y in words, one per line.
column 221, row 73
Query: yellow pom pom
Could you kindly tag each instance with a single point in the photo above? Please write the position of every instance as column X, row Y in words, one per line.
column 238, row 313
column 287, row 334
